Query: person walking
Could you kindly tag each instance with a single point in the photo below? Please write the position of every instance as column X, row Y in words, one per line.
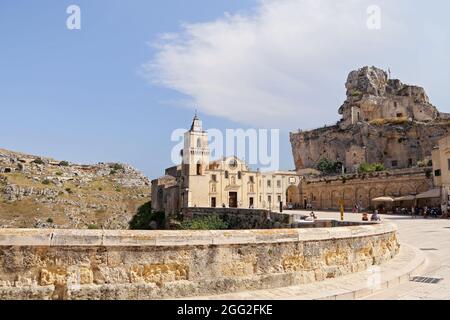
column 444, row 210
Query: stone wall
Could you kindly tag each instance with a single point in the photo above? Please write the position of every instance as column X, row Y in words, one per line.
column 244, row 219
column 326, row 192
column 94, row 264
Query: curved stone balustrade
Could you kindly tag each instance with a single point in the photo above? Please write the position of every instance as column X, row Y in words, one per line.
column 104, row 264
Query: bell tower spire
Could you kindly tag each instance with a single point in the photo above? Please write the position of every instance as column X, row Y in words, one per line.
column 196, row 124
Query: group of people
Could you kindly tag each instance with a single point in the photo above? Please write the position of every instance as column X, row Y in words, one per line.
column 416, row 211
column 374, row 217
column 426, row 212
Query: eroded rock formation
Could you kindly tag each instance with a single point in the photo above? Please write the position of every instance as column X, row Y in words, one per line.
column 383, row 120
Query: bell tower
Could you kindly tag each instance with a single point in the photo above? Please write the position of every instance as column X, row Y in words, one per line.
column 196, row 156
column 196, row 151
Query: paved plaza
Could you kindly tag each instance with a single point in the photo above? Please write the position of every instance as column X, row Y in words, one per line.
column 420, row 271
column 432, row 237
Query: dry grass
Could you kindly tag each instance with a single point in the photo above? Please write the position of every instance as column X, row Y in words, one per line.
column 100, row 192
column 395, row 121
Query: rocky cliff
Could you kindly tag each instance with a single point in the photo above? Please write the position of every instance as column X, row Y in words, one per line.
column 372, row 95
column 38, row 192
column 383, row 121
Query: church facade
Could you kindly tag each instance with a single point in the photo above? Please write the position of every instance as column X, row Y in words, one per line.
column 227, row 182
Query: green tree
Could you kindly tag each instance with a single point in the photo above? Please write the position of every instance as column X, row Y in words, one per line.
column 210, row 222
column 145, row 216
column 327, row 166
column 369, row 168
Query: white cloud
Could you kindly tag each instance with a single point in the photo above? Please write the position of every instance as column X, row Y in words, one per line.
column 282, row 65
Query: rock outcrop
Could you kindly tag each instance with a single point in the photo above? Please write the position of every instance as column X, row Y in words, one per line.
column 42, row 192
column 372, row 96
column 383, row 121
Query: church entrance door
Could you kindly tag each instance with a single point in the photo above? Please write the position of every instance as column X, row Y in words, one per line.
column 233, row 203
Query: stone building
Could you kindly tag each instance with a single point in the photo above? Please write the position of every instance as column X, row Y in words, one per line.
column 325, row 192
column 229, row 182
column 383, row 121
column 441, row 168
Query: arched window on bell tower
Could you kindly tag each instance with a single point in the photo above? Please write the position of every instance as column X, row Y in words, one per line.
column 199, row 143
column 199, row 168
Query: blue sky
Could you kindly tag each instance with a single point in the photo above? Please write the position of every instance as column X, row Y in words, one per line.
column 84, row 96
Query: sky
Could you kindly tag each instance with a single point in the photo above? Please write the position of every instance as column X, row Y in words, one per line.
column 115, row 90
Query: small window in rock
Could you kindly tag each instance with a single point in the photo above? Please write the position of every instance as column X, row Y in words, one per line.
column 395, row 163
column 437, row 173
column 399, row 115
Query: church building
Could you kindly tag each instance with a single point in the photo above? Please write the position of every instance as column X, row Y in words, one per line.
column 227, row 182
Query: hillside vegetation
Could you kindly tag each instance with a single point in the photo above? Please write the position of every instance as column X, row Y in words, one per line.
column 38, row 192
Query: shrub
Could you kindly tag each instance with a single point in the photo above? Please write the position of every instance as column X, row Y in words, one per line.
column 379, row 167
column 402, row 120
column 93, row 227
column 327, row 166
column 397, row 121
column 144, row 217
column 49, row 220
column 59, row 173
column 421, row 164
column 64, row 164
column 38, row 161
column 211, row 222
column 356, row 93
column 46, row 182
column 117, row 167
column 113, row 172
column 69, row 190
column 378, row 122
column 369, row 168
